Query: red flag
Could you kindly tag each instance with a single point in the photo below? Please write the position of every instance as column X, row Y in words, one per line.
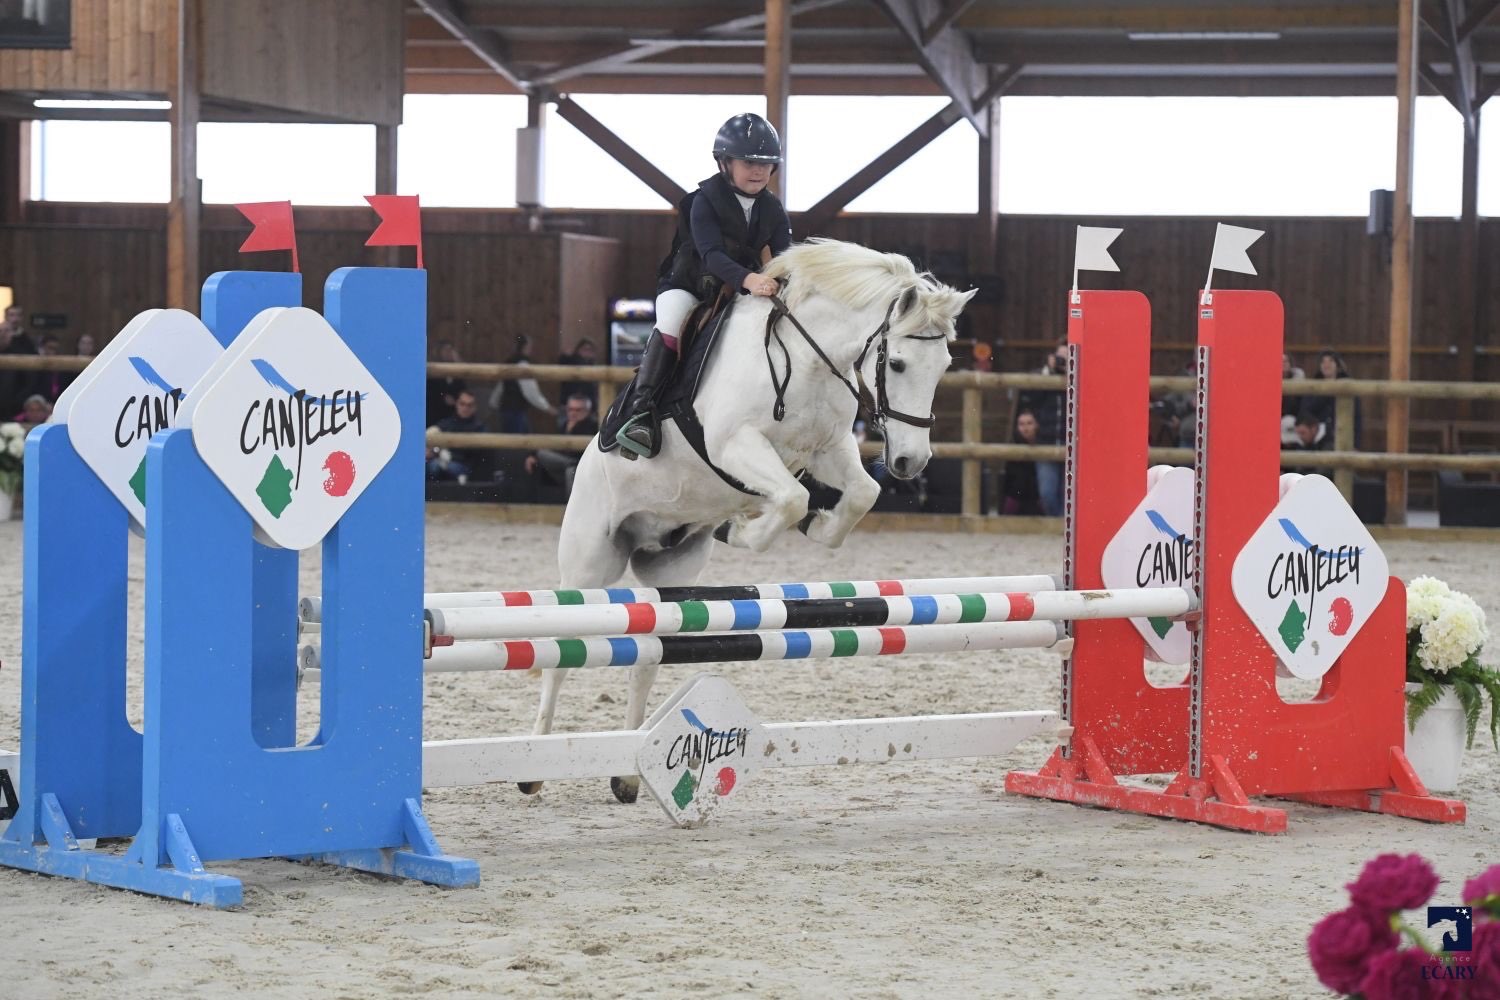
column 400, row 222
column 273, row 230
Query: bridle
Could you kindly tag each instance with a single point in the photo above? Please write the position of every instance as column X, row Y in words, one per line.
column 877, row 404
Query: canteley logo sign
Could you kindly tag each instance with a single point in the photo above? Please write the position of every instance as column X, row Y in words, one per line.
column 134, row 389
column 1152, row 549
column 1310, row 577
column 293, row 424
column 697, row 750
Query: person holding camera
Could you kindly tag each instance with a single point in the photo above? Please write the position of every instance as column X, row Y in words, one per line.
column 1050, row 408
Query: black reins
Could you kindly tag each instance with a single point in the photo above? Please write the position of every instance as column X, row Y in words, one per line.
column 878, row 404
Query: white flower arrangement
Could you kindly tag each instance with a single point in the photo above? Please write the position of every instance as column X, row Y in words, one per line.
column 1445, row 634
column 12, row 449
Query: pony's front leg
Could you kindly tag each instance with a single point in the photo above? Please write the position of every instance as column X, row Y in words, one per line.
column 754, row 461
column 841, row 468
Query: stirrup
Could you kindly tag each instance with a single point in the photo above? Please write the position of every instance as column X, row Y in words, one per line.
column 629, row 445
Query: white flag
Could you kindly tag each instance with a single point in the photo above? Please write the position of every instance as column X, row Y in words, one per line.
column 1091, row 253
column 1230, row 244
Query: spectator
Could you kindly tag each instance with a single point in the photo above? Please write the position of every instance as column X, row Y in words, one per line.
column 15, row 386
column 49, row 384
column 34, row 412
column 1325, row 408
column 84, row 349
column 1019, row 489
column 442, row 392
column 1049, row 406
column 515, row 396
column 1179, row 414
column 1290, row 405
column 583, row 354
column 557, row 467
column 1309, row 434
column 443, row 463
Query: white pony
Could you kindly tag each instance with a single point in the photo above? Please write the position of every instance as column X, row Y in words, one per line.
column 871, row 316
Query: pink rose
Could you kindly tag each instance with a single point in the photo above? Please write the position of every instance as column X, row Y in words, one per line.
column 1391, row 882
column 1486, row 982
column 1409, row 974
column 1342, row 945
column 1484, row 887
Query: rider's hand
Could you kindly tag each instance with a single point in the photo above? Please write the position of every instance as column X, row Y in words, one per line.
column 759, row 284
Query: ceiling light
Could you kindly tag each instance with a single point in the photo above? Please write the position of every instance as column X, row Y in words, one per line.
column 103, row 105
column 1204, row 36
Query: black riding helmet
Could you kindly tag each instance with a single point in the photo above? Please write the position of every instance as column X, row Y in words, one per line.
column 747, row 137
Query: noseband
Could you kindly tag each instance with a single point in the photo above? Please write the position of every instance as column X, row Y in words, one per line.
column 878, row 404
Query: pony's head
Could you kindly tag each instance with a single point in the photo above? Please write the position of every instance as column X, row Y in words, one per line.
column 921, row 312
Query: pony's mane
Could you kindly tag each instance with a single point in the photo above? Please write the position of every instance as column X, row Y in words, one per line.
column 858, row 277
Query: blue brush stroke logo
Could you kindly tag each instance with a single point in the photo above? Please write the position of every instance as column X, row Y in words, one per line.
column 1166, row 529
column 153, row 377
column 692, row 720
column 1295, row 534
column 278, row 381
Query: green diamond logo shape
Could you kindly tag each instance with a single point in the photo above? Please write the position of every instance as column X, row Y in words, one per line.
column 1161, row 626
column 682, row 793
column 138, row 482
column 1293, row 627
column 275, row 489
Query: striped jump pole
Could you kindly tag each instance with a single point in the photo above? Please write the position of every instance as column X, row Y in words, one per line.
column 311, row 608
column 666, row 618
column 631, row 651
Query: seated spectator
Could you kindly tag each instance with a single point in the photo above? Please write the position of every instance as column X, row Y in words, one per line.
column 49, row 384
column 583, row 354
column 34, row 412
column 84, row 349
column 1018, row 491
column 442, row 392
column 457, row 463
column 1290, row 405
column 15, row 386
column 557, row 467
column 1309, row 434
column 1048, row 407
column 513, row 398
column 1331, row 367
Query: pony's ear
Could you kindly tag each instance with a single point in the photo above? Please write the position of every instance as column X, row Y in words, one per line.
column 908, row 301
column 951, row 302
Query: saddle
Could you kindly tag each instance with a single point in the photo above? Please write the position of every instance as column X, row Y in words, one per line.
column 675, row 403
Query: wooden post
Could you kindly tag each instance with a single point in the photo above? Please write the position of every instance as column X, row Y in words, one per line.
column 15, row 169
column 1466, row 290
column 1343, row 440
column 385, row 181
column 779, row 79
column 987, row 230
column 973, row 432
column 183, row 208
column 1398, row 409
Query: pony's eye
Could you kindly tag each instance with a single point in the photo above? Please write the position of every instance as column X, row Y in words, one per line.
column 898, row 366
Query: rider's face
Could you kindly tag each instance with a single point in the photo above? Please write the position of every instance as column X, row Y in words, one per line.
column 750, row 178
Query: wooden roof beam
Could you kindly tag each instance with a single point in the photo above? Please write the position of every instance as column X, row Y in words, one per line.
column 612, row 56
column 951, row 12
column 948, row 58
column 481, row 44
column 624, row 153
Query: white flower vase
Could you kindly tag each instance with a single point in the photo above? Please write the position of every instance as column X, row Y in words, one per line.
column 1436, row 747
column 7, row 506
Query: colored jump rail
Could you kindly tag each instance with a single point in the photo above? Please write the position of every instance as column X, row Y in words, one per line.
column 631, row 651
column 311, row 608
column 562, row 756
column 471, row 624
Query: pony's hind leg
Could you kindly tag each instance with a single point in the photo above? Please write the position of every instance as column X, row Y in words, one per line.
column 679, row 566
column 588, row 555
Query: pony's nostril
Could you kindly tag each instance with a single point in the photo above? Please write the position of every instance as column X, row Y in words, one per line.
column 899, row 465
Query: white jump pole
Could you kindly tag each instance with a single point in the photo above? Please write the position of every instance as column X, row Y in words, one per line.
column 311, row 608
column 755, row 615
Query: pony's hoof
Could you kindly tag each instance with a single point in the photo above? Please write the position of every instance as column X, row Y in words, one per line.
column 807, row 521
column 627, row 790
column 722, row 532
column 529, row 787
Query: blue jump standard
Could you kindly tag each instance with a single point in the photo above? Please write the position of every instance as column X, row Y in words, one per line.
column 218, row 775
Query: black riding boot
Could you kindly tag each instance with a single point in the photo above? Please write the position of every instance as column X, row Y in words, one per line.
column 641, row 434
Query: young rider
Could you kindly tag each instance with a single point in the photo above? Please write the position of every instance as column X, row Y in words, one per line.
column 723, row 228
